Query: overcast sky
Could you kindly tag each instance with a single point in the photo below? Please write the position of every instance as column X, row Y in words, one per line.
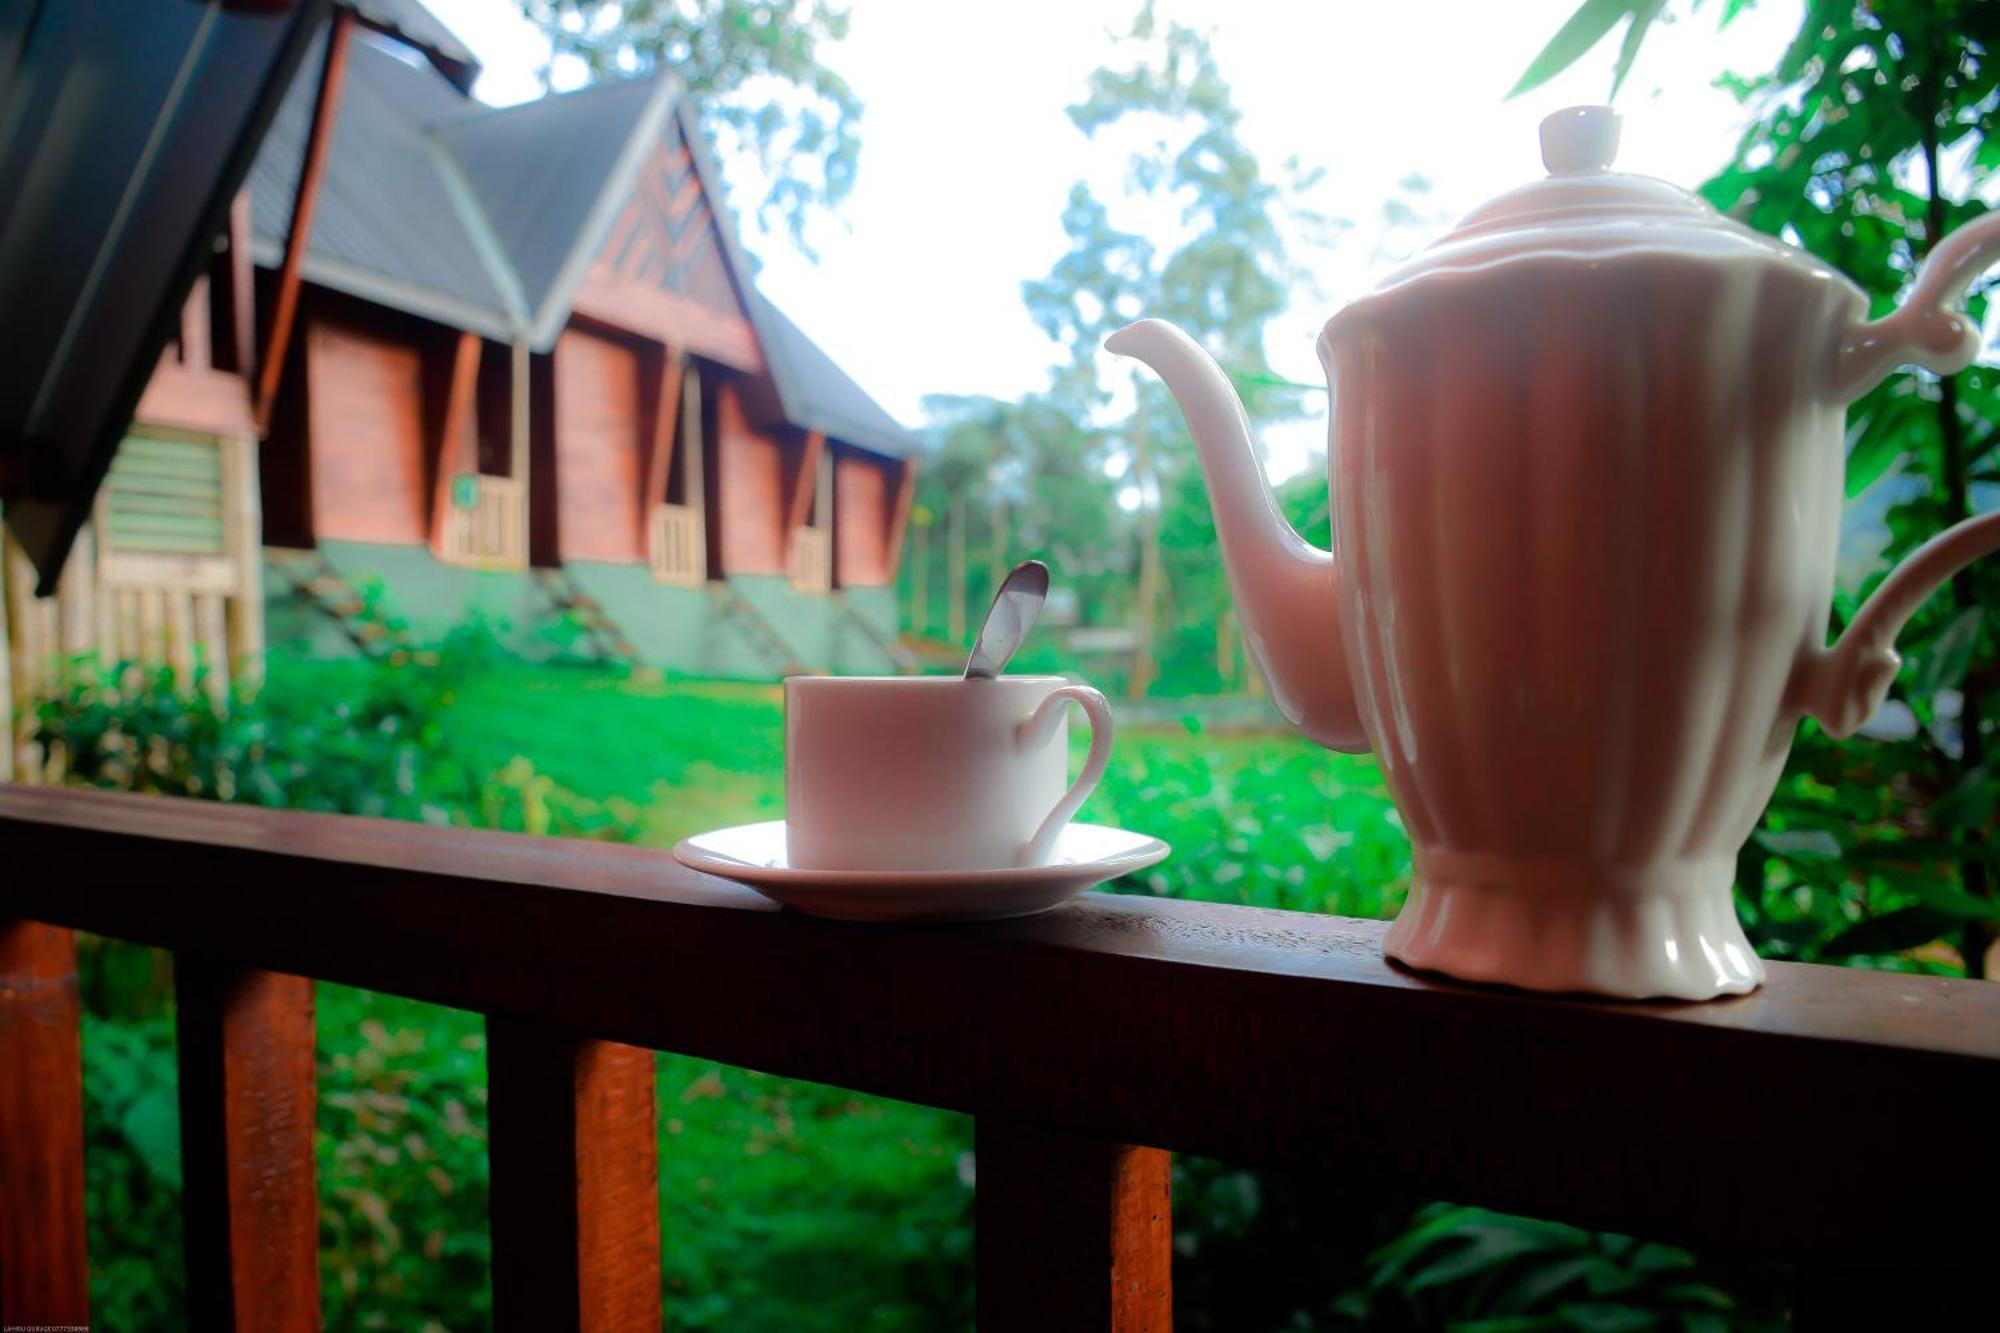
column 967, row 155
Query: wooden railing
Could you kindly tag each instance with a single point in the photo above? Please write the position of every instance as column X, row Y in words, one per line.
column 490, row 529
column 678, row 549
column 810, row 560
column 1087, row 1043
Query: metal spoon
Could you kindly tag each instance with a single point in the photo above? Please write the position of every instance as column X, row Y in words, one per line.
column 1008, row 620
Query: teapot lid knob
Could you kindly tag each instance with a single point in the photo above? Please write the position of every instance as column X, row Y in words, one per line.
column 1580, row 139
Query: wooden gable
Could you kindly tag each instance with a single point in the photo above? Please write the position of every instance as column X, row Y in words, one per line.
column 664, row 271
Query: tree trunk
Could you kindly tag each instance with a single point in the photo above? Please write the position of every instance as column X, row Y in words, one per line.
column 955, row 572
column 1143, row 668
column 920, row 583
column 997, row 561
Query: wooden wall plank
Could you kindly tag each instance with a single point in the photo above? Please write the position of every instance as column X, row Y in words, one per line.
column 861, row 528
column 44, row 1275
column 599, row 434
column 370, row 463
column 575, row 1182
column 249, row 1195
column 1073, row 1233
column 749, row 489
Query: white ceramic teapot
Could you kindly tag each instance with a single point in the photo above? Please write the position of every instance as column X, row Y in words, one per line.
column 1586, row 458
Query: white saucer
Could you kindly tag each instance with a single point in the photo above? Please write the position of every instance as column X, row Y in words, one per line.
column 754, row 854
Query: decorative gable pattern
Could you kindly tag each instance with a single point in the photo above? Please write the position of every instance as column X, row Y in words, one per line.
column 664, row 268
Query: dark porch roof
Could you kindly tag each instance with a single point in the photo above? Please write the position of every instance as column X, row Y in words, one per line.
column 485, row 218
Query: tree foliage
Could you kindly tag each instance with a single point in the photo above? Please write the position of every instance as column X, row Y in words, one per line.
column 1105, row 474
column 1868, row 143
column 755, row 70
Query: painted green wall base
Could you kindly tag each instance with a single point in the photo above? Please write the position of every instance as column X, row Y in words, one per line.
column 680, row 629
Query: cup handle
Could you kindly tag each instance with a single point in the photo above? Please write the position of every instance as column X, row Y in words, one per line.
column 1037, row 730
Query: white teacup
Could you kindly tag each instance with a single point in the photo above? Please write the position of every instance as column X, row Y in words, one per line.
column 933, row 772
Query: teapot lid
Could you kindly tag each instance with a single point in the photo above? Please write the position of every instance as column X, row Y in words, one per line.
column 1585, row 210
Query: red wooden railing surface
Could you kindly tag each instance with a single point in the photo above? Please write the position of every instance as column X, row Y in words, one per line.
column 1088, row 1043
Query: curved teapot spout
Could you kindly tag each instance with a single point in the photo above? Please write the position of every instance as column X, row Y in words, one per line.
column 1285, row 588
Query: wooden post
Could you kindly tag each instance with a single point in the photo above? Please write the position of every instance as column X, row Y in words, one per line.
column 305, row 200
column 1072, row 1233
column 575, row 1199
column 240, row 292
column 27, row 651
column 899, row 513
column 519, row 423
column 6, row 680
column 44, row 1274
column 211, row 630
column 694, row 480
column 803, row 506
column 826, row 516
column 243, row 529
column 453, row 432
column 249, row 1196
column 195, row 335
column 76, row 596
column 668, row 403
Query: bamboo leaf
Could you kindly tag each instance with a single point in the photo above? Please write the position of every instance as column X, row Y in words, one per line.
column 1943, row 897
column 1643, row 14
column 1944, row 664
column 1968, row 805
column 1807, row 844
column 1584, row 30
column 1891, row 932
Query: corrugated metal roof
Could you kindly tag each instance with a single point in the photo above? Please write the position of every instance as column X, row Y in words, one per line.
column 819, row 395
column 386, row 222
column 542, row 169
column 419, row 27
column 484, row 218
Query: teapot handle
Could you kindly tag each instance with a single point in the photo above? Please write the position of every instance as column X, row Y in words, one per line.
column 1924, row 331
column 1842, row 686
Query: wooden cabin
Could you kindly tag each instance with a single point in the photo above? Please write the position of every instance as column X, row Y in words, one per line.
column 167, row 570
column 530, row 379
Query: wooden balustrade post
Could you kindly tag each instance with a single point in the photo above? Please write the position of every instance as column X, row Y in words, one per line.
column 249, row 1193
column 571, row 1135
column 44, row 1275
column 1073, row 1233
